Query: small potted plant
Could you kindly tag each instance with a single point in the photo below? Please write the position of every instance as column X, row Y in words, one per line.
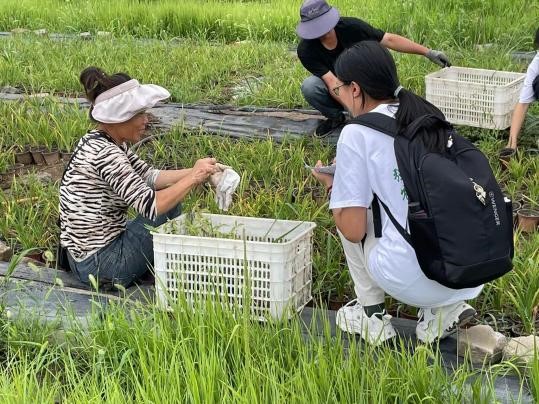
column 528, row 219
column 23, row 156
column 532, row 152
column 516, row 207
column 51, row 156
column 37, row 155
column 506, row 155
column 66, row 156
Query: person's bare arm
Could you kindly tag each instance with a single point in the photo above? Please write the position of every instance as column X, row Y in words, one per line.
column 401, row 44
column 168, row 177
column 517, row 120
column 331, row 82
column 168, row 198
column 351, row 222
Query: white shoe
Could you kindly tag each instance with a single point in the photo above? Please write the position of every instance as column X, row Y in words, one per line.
column 441, row 322
column 353, row 319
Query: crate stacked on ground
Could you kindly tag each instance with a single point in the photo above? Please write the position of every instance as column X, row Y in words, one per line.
column 475, row 97
column 233, row 259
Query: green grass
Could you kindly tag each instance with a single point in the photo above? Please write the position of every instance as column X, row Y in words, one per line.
column 462, row 22
column 198, row 71
column 134, row 354
column 267, row 189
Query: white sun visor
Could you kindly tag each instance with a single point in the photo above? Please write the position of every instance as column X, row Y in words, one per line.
column 124, row 101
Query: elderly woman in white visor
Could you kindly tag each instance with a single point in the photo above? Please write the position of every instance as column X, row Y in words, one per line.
column 104, row 178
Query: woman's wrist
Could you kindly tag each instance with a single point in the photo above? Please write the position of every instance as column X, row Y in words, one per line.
column 329, row 189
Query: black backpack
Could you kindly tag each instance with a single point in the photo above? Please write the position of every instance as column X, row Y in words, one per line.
column 460, row 224
column 535, row 86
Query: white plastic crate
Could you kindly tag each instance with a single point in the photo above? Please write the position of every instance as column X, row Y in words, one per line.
column 276, row 256
column 475, row 97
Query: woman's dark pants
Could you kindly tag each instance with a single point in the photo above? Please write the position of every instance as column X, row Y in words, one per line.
column 126, row 258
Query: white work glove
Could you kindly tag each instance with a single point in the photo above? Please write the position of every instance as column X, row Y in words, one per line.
column 438, row 57
column 225, row 182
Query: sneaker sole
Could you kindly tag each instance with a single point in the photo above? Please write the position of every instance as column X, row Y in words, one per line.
column 464, row 318
column 342, row 324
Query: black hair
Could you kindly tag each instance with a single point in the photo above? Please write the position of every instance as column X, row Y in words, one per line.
column 536, row 41
column 372, row 67
column 95, row 81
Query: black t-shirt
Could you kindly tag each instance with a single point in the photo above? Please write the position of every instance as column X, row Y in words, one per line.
column 319, row 60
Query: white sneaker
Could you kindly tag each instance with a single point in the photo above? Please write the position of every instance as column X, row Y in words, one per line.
column 441, row 322
column 352, row 319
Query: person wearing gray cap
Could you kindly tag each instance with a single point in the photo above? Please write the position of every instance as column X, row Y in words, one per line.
column 324, row 36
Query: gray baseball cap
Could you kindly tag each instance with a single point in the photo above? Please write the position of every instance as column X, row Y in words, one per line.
column 317, row 19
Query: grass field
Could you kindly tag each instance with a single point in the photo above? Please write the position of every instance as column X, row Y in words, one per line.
column 202, row 51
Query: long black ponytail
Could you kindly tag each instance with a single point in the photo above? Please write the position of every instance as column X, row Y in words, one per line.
column 372, row 67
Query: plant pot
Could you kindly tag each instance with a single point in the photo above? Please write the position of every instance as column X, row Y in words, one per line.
column 24, row 157
column 36, row 256
column 516, row 207
column 528, row 219
column 37, row 156
column 51, row 157
column 506, row 155
column 319, row 195
column 336, row 303
column 532, row 152
column 17, row 168
column 498, row 322
column 5, row 179
column 517, row 330
column 315, row 193
column 66, row 156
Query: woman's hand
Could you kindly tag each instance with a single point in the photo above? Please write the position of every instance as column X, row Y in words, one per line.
column 203, row 168
column 325, row 179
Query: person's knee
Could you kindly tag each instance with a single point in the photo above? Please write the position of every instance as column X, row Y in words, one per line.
column 313, row 86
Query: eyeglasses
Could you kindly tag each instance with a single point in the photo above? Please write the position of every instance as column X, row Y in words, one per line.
column 335, row 90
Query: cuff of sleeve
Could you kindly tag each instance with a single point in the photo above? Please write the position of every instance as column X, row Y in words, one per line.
column 348, row 204
column 152, row 177
column 528, row 100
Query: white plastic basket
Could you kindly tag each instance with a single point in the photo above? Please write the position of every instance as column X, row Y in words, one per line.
column 475, row 97
column 274, row 255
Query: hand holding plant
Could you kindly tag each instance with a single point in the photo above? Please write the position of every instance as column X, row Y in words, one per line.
column 203, row 168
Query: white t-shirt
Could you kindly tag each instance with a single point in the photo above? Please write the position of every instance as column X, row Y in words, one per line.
column 526, row 94
column 366, row 164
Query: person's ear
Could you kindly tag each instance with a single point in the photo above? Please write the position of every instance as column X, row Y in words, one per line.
column 356, row 90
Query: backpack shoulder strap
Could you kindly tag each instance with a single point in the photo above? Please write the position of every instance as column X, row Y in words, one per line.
column 379, row 122
column 428, row 121
column 388, row 126
column 376, row 202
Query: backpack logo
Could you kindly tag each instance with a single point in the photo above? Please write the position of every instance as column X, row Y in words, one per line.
column 479, row 192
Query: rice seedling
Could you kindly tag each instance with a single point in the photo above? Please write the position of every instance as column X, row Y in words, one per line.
column 276, row 186
column 197, row 71
column 204, row 353
column 465, row 23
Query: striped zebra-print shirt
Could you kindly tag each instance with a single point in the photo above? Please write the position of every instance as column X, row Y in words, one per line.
column 101, row 182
